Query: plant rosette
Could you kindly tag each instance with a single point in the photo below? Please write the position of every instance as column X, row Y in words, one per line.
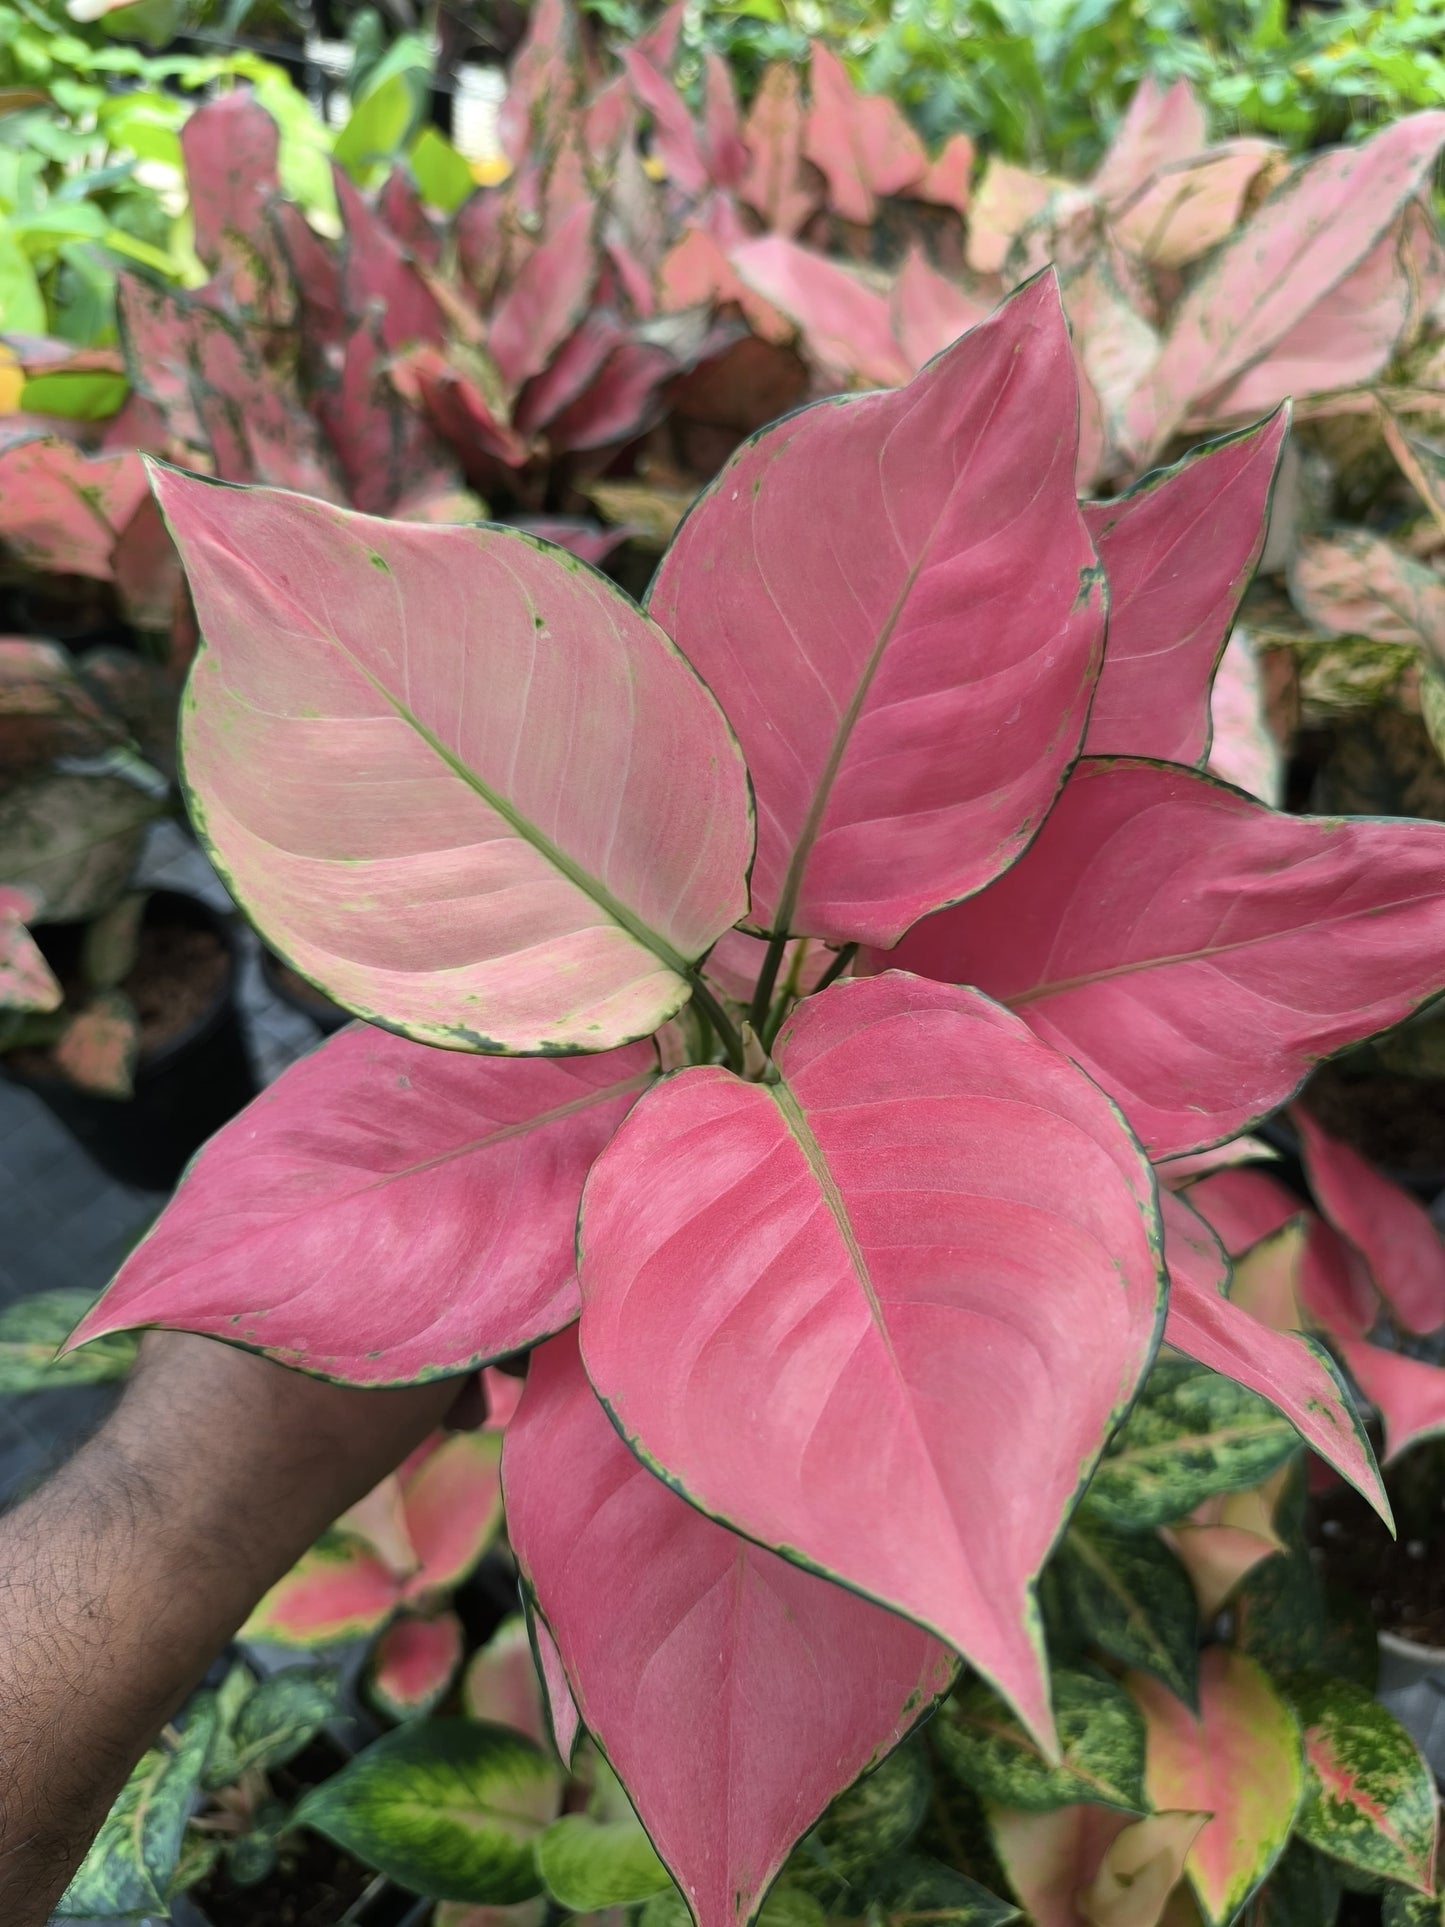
column 832, row 1323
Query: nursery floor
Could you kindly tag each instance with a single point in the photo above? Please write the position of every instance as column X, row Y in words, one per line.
column 64, row 1222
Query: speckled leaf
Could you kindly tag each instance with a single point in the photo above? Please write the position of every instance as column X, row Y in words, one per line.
column 100, row 1045
column 1179, row 552
column 1006, row 199
column 61, row 510
column 587, row 1864
column 47, row 711
column 845, row 325
column 1422, row 460
column 283, row 1234
column 1301, row 1892
column 1238, row 1759
column 26, row 979
column 923, row 745
column 1391, row 1230
column 1101, row 1747
column 862, row 144
column 33, row 1329
column 1404, row 1909
column 804, row 1684
column 388, row 451
column 913, row 1890
column 502, row 827
column 773, row 135
column 878, row 1816
column 231, row 145
column 447, row 1808
column 1370, row 1799
column 1355, row 584
column 129, row 1867
column 70, row 842
column 1127, row 1593
column 1191, row 1434
column 887, row 1088
column 1408, row 1393
column 413, row 1663
column 1194, row 951
column 275, row 1721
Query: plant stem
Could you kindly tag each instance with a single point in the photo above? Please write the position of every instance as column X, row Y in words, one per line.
column 720, row 1021
column 835, row 969
column 767, row 978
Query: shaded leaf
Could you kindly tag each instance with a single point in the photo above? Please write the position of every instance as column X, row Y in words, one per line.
column 501, row 1684
column 100, row 1045
column 275, row 1721
column 26, row 979
column 1140, row 1871
column 1129, row 1596
column 71, row 841
column 60, row 510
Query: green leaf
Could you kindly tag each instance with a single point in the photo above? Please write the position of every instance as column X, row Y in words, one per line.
column 871, row 1819
column 1369, row 1795
column 43, row 231
column 1192, row 1434
column 914, row 1890
column 1301, row 1892
column 1279, row 1610
column 32, row 1331
column 785, row 1906
column 449, row 1808
column 275, row 1722
column 199, row 1854
column 22, row 305
column 79, row 397
column 1101, row 1740
column 1402, row 1909
column 587, row 1865
column 442, row 175
column 111, row 943
column 133, row 1861
column 376, row 129
column 1130, row 1596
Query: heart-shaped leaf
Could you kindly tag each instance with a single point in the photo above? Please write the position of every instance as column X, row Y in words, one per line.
column 446, row 1808
column 1392, row 1231
column 871, row 547
column 549, row 820
column 733, row 1694
column 1370, row 1798
column 1129, row 1596
column 413, row 1664
column 284, row 1234
column 1194, row 951
column 854, row 1229
column 1101, row 1747
column 1178, row 551
column 1238, row 1759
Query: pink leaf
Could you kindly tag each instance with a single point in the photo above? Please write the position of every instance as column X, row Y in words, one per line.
column 1113, row 342
column 378, row 1519
column 774, row 185
column 546, row 301
column 316, row 274
column 378, row 275
column 99, row 1046
column 1392, row 1231
column 570, row 371
column 562, row 1715
column 674, row 135
column 1006, row 199
column 451, row 1494
column 1221, row 1157
column 1049, row 1857
column 387, row 451
column 474, row 424
column 1188, row 209
column 860, row 143
column 1179, row 552
column 1309, row 235
column 1335, row 1287
column 698, row 271
column 1194, row 951
column 836, row 1319
column 400, row 206
column 230, row 145
column 502, row 1391
column 623, row 400
column 805, row 1685
column 285, row 1234
column 1408, row 1393
column 947, row 180
column 501, row 1684
column 542, row 86
column 736, row 961
column 929, row 312
column 727, row 158
column 844, row 324
column 872, row 550
column 1293, row 1373
column 1243, row 750
column 26, row 980
column 338, row 1590
column 61, row 511
column 413, row 1664
column 528, row 734
column 1244, row 1207
column 1162, row 127
column 1355, row 584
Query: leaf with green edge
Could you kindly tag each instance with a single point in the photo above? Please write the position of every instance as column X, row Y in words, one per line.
column 1370, row 1800
column 447, row 1808
column 276, row 1720
column 413, row 1663
column 785, row 1906
column 1129, row 1596
column 1191, row 206
column 590, row 1864
column 338, row 1590
column 915, row 1890
column 1192, row 1433
column 564, row 1722
column 520, row 901
column 831, row 1144
column 1421, row 460
column 1244, row 1207
column 1240, row 1760
column 33, row 1329
column 1101, row 1747
column 851, row 534
column 131, row 1863
column 451, row 1495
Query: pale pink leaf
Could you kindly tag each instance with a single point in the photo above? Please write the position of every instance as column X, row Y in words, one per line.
column 1178, row 1172
column 501, row 1683
column 859, row 1312
column 285, row 1233
column 1408, row 1393
column 775, row 185
column 528, row 735
column 1114, row 343
column 502, row 1391
column 61, row 510
column 736, row 961
column 805, row 1685
column 1194, row 951
column 860, row 143
column 872, row 549
column 1049, row 1857
column 845, row 325
column 947, row 180
column 1140, row 1870
column 930, row 312
column 1004, row 202
column 1392, row 1231
column 451, row 1494
column 546, row 301
column 1219, row 1555
column 1243, row 750
column 413, row 1664
column 100, row 1045
column 563, row 1719
column 698, row 271
column 26, row 979
column 1161, row 127
column 379, row 1521
column 1356, row 584
column 542, row 86
column 1189, row 208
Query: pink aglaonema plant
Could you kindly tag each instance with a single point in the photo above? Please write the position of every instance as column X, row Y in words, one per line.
column 866, row 1282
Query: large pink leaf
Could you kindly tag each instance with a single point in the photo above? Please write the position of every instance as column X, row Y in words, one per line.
column 733, row 1694
column 1244, row 1207
column 451, row 1496
column 458, row 779
column 546, row 301
column 929, row 310
column 1188, row 209
column 845, row 325
column 873, row 551
column 934, row 1200
column 385, row 1212
column 1408, row 1393
column 860, row 143
column 26, row 979
column 1310, row 233
column 1196, row 952
column 774, row 184
column 1392, row 1231
column 1292, row 1372
column 1179, row 552
column 62, row 511
column 1163, row 126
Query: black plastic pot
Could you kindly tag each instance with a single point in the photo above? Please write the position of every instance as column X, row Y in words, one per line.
column 184, row 1091
column 293, row 991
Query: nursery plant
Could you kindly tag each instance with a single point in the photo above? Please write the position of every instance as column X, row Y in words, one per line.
column 870, row 1276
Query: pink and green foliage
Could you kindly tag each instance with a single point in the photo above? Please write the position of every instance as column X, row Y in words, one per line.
column 870, row 1288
